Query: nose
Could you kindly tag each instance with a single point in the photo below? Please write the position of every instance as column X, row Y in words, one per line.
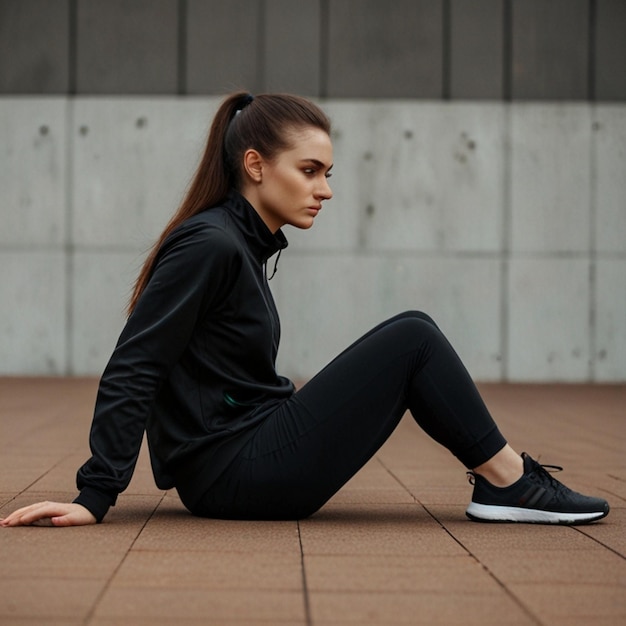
column 324, row 192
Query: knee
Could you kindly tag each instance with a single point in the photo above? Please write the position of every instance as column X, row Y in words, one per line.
column 421, row 332
column 418, row 315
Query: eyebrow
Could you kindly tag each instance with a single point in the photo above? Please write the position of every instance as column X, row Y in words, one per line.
column 318, row 163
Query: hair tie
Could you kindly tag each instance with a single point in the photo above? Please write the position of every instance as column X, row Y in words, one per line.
column 247, row 99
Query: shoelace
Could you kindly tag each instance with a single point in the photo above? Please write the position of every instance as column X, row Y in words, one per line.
column 543, row 473
column 544, row 477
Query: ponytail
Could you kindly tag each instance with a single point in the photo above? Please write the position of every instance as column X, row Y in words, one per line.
column 241, row 122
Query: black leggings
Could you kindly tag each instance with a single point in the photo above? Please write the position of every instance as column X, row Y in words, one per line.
column 305, row 451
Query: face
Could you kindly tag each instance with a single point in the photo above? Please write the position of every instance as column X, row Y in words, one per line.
column 291, row 187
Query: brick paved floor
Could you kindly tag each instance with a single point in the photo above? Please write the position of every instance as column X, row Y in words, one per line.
column 392, row 547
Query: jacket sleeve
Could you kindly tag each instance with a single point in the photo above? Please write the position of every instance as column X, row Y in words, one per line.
column 193, row 271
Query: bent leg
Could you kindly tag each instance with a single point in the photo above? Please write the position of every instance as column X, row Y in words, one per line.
column 316, row 441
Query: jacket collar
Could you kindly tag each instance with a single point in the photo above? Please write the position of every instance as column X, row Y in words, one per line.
column 263, row 243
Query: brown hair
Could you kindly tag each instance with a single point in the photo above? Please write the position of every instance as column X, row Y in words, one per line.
column 242, row 121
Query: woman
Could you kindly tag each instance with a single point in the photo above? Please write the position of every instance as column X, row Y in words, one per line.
column 194, row 365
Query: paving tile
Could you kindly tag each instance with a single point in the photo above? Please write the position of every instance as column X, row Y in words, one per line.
column 458, row 497
column 373, row 475
column 59, row 475
column 18, row 472
column 63, row 474
column 29, row 559
column 416, row 608
column 70, row 549
column 36, row 621
column 375, row 529
column 477, row 537
column 392, row 547
column 266, row 606
column 175, row 529
column 584, row 620
column 45, row 597
column 5, row 498
column 207, row 570
column 372, row 496
column 397, row 574
column 593, row 566
column 200, row 621
column 574, row 601
column 447, row 473
column 611, row 533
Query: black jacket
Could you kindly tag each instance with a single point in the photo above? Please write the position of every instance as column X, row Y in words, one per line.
column 194, row 366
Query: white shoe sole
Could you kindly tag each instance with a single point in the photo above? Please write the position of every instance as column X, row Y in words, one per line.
column 492, row 513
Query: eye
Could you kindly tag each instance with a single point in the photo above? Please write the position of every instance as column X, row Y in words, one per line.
column 328, row 174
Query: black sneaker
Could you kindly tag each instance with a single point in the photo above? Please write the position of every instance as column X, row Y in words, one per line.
column 536, row 498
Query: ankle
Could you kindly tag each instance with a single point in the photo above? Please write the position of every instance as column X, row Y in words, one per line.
column 503, row 469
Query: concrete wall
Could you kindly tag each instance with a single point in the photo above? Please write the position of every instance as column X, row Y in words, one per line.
column 459, row 49
column 480, row 176
column 506, row 222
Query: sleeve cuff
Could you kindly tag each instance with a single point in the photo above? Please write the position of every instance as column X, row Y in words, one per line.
column 96, row 502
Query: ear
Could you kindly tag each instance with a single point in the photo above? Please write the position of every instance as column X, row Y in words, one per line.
column 253, row 165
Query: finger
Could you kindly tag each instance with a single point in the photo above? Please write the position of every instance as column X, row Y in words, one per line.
column 29, row 514
column 48, row 510
column 64, row 520
column 19, row 512
column 13, row 518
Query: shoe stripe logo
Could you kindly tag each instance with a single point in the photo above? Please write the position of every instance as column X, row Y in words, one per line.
column 535, row 498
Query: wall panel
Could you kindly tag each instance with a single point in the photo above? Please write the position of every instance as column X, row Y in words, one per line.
column 34, row 46
column 33, row 172
column 133, row 160
column 609, row 189
column 476, row 49
column 292, row 46
column 385, row 50
column 610, row 52
column 610, row 320
column 107, row 173
column 127, row 47
column 224, row 46
column 33, row 330
column 101, row 285
column 548, row 328
column 335, row 299
column 483, row 49
column 550, row 49
column 550, row 178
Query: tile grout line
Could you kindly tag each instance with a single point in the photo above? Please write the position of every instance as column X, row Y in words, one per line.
column 14, row 496
column 506, row 244
column 107, row 585
column 305, row 589
column 68, row 248
column 504, row 588
column 600, row 543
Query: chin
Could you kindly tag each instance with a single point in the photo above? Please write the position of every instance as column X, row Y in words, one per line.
column 303, row 225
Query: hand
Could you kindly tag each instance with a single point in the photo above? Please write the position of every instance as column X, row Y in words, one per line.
column 49, row 513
